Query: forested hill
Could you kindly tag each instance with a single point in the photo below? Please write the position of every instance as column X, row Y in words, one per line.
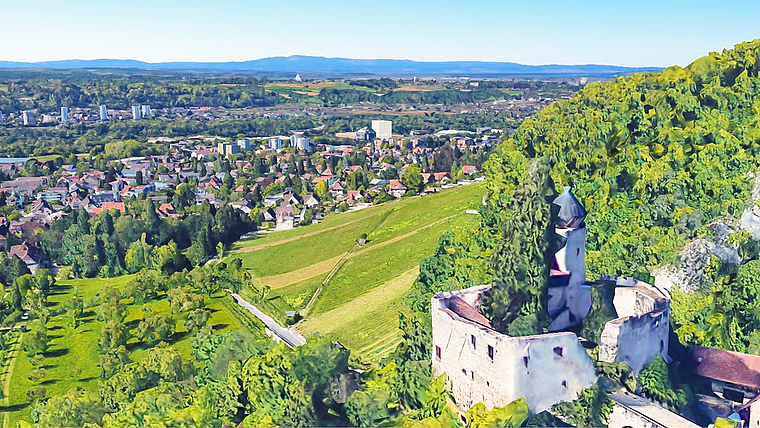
column 655, row 158
column 322, row 65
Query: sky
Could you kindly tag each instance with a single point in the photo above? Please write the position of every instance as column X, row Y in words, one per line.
column 628, row 33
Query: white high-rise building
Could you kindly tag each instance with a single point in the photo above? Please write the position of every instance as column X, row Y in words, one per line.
column 2, row 118
column 64, row 114
column 145, row 110
column 136, row 113
column 28, row 118
column 103, row 112
column 302, row 143
column 383, row 129
column 275, row 143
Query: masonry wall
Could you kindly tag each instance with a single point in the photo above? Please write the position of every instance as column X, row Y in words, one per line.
column 635, row 340
column 642, row 331
column 624, row 417
column 545, row 369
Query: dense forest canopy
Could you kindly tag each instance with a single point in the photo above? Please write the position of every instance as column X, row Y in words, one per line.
column 655, row 158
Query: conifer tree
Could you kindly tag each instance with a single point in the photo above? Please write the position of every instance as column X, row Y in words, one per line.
column 516, row 304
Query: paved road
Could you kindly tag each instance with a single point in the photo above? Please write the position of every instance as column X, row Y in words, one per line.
column 290, row 337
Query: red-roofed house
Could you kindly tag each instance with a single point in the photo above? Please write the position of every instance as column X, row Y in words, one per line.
column 30, row 255
column 396, row 188
column 469, row 169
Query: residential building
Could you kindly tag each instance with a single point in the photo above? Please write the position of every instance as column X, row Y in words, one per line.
column 27, row 117
column 64, row 114
column 30, row 255
column 302, row 143
column 285, row 214
column 365, row 134
column 383, row 129
column 228, row 149
column 103, row 112
column 136, row 113
column 2, row 118
column 145, row 111
column 396, row 188
column 244, row 144
column 275, row 143
column 734, row 378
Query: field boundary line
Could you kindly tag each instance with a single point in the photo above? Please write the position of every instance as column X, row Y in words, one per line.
column 295, row 238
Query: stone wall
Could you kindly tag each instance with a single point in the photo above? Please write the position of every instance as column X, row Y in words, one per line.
column 642, row 330
column 482, row 364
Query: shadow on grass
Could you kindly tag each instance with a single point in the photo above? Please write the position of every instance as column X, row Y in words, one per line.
column 59, row 289
column 13, row 408
column 49, row 382
column 56, row 353
column 87, row 379
column 54, row 328
column 133, row 323
column 219, row 326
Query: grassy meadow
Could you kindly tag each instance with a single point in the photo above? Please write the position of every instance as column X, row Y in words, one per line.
column 360, row 304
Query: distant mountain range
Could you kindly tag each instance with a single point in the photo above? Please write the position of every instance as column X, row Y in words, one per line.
column 323, row 65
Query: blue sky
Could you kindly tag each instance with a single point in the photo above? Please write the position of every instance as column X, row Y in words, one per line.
column 632, row 33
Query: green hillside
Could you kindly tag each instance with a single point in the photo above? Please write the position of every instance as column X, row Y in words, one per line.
column 360, row 304
column 655, row 158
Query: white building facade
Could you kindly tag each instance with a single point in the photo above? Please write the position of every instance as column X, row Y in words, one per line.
column 383, row 129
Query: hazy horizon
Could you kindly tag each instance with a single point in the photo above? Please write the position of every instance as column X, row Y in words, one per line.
column 646, row 34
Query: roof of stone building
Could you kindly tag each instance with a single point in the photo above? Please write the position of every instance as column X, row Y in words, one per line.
column 649, row 411
column 726, row 366
column 571, row 212
column 457, row 305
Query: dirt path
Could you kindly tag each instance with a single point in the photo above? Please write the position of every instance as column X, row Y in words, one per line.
column 295, row 238
column 285, row 279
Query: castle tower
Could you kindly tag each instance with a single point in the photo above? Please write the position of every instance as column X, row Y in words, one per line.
column 569, row 298
column 570, row 225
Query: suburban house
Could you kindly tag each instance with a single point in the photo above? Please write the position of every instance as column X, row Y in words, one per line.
column 396, row 188
column 30, row 255
column 469, row 169
column 734, row 378
column 337, row 189
column 310, row 200
column 285, row 215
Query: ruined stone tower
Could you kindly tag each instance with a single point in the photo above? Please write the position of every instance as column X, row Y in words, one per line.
column 569, row 296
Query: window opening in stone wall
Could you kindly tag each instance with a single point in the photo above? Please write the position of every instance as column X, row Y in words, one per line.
column 472, row 339
column 438, row 352
column 558, row 350
column 490, row 352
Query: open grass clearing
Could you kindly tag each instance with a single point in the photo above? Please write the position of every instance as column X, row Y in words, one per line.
column 366, row 322
column 301, row 253
column 363, row 273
